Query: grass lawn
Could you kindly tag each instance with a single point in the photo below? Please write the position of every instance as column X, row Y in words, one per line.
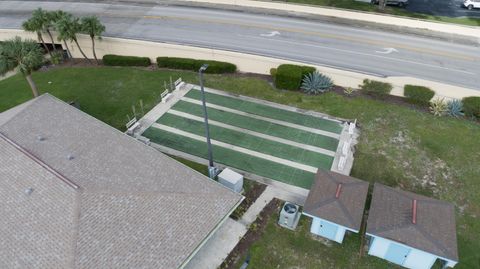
column 362, row 6
column 398, row 146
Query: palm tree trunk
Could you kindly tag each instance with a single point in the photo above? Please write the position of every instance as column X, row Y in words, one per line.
column 81, row 51
column 40, row 38
column 69, row 54
column 53, row 41
column 93, row 48
column 32, row 84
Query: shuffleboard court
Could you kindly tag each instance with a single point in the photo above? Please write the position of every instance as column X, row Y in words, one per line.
column 273, row 142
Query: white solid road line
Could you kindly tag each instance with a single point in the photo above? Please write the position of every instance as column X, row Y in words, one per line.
column 296, row 165
column 288, row 124
column 253, row 133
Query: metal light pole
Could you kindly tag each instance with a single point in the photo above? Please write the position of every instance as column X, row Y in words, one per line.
column 212, row 171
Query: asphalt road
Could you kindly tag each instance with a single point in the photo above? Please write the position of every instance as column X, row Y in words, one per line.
column 361, row 50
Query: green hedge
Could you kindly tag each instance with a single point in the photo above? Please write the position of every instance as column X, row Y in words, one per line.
column 118, row 60
column 376, row 88
column 214, row 67
column 289, row 76
column 471, row 106
column 418, row 94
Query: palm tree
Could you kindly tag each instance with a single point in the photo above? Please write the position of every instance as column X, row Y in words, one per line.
column 36, row 24
column 68, row 27
column 92, row 26
column 25, row 55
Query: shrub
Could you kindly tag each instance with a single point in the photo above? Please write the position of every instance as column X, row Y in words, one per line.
column 455, row 108
column 349, row 91
column 376, row 88
column 471, row 106
column 118, row 60
column 289, row 76
column 438, row 107
column 273, row 73
column 418, row 94
column 315, row 83
column 214, row 67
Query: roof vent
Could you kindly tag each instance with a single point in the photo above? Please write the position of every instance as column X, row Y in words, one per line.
column 40, row 138
column 28, row 191
column 339, row 188
column 414, row 211
column 70, row 157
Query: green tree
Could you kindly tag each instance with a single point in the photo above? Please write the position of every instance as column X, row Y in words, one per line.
column 36, row 24
column 92, row 26
column 68, row 27
column 25, row 55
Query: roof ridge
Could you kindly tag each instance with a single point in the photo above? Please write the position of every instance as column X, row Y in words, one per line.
column 432, row 240
column 345, row 212
column 39, row 161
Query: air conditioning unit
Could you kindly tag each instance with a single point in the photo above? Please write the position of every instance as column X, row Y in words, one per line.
column 231, row 180
column 289, row 216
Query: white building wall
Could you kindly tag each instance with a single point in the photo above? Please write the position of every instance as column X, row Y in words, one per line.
column 378, row 247
column 340, row 234
column 416, row 258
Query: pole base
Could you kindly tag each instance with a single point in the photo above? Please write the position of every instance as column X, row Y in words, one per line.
column 213, row 172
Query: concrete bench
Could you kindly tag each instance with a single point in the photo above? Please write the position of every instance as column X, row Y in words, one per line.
column 166, row 96
column 144, row 140
column 345, row 148
column 351, row 127
column 132, row 126
column 341, row 162
column 179, row 84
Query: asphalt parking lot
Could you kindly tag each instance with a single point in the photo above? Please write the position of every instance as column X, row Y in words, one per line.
column 451, row 8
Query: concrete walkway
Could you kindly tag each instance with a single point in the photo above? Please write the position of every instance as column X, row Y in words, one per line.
column 161, row 108
column 217, row 248
column 296, row 165
column 253, row 133
column 284, row 123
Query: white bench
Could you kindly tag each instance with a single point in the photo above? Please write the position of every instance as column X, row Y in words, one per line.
column 345, row 148
column 351, row 127
column 179, row 84
column 166, row 96
column 341, row 162
column 132, row 125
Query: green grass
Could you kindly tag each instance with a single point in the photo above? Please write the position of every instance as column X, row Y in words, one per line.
column 282, row 248
column 268, row 111
column 362, row 6
column 231, row 158
column 260, row 126
column 397, row 146
column 250, row 142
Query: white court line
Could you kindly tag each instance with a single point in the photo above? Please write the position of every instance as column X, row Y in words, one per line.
column 288, row 124
column 253, row 133
column 296, row 165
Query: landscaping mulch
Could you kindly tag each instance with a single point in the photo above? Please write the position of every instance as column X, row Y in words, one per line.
column 250, row 197
column 255, row 232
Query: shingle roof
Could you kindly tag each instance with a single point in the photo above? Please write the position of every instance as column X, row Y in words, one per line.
column 134, row 207
column 337, row 198
column 391, row 216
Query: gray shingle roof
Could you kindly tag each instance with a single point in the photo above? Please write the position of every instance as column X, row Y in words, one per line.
column 347, row 208
column 391, row 215
column 134, row 207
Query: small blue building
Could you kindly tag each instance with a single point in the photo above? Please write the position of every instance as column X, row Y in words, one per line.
column 411, row 230
column 335, row 203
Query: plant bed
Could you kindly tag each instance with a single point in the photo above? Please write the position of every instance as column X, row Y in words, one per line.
column 253, row 190
column 253, row 234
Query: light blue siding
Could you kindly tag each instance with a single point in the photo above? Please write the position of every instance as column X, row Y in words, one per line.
column 328, row 230
column 397, row 253
column 402, row 254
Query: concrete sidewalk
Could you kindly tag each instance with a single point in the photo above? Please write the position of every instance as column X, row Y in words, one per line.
column 219, row 246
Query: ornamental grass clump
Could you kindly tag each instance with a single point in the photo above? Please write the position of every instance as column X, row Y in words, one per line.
column 316, row 83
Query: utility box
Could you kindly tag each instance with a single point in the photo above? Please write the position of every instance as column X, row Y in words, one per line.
column 289, row 216
column 231, row 180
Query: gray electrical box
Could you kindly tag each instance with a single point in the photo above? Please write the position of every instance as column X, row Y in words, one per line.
column 289, row 216
column 231, row 180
